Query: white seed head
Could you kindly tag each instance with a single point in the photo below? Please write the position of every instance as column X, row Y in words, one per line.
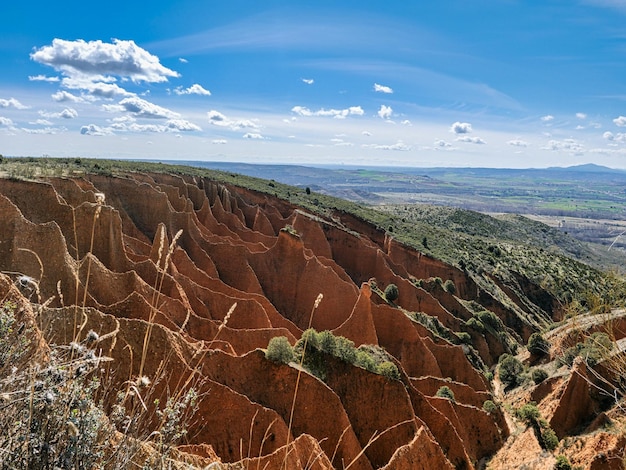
column 92, row 336
column 143, row 381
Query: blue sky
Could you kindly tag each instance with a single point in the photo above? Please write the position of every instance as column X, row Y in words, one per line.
column 498, row 83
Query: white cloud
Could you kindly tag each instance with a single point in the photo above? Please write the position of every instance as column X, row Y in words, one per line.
column 570, row 145
column 308, row 81
column 11, row 103
column 399, row 146
column 382, row 89
column 619, row 137
column 215, row 117
column 5, row 122
column 194, row 89
column 336, row 113
column 100, row 89
column 581, row 115
column 182, row 60
column 218, row 119
column 442, row 144
column 366, row 133
column 461, row 128
column 620, row 121
column 45, row 130
column 97, row 58
column 142, row 108
column 385, row 112
column 406, row 122
column 518, row 143
column 41, row 122
column 182, row 125
column 67, row 113
column 219, row 141
column 547, row 118
column 130, row 124
column 253, row 135
column 43, row 78
column 92, row 129
column 64, row 96
column 470, row 140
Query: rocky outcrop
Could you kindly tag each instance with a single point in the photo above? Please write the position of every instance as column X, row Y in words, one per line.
column 188, row 280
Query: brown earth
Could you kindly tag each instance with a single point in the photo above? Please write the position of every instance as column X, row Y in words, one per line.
column 192, row 278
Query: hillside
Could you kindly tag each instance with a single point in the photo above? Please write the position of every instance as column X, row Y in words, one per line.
column 162, row 315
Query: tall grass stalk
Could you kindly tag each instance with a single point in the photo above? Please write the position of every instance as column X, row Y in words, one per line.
column 295, row 392
column 154, row 307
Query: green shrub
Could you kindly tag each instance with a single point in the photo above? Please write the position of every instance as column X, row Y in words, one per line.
column 449, row 286
column 391, row 293
column 538, row 345
column 490, row 319
column 464, row 337
column 529, row 413
column 490, row 407
column 345, row 349
column 549, row 439
column 539, row 375
column 328, row 342
column 388, row 369
column 445, row 392
column 364, row 360
column 510, row 370
column 546, row 436
column 562, row 463
column 476, row 325
column 371, row 358
column 279, row 350
column 593, row 349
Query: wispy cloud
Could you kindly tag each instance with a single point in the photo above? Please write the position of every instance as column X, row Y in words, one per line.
column 470, row 140
column 308, row 81
column 547, row 118
column 398, row 146
column 517, row 143
column 98, row 89
column 619, row 5
column 335, row 113
column 43, row 78
column 12, row 103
